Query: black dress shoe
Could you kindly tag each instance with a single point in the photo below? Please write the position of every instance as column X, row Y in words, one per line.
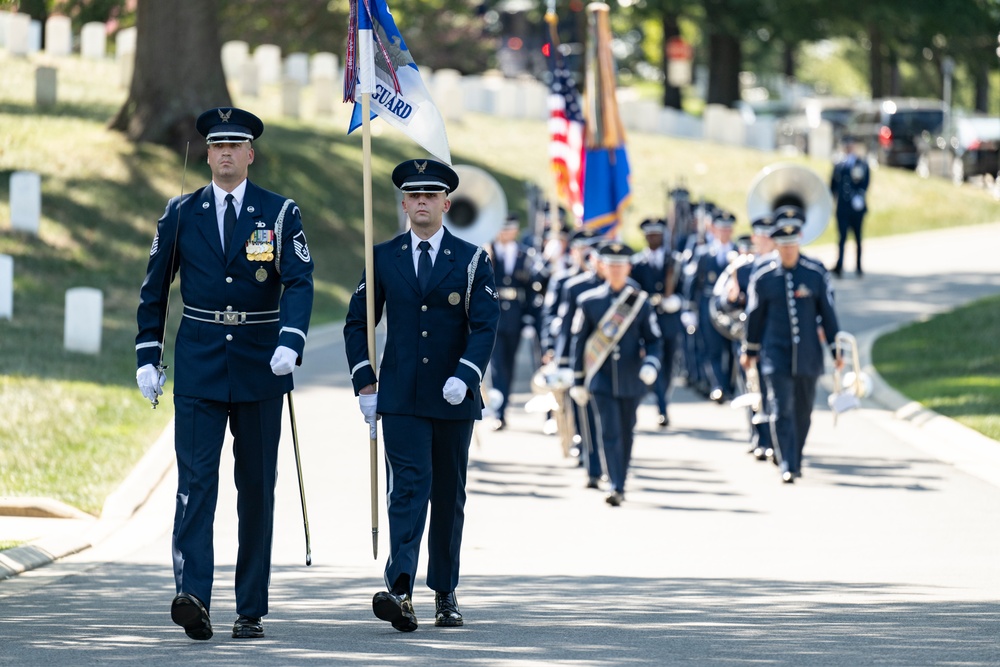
column 788, row 477
column 248, row 627
column 664, row 420
column 615, row 498
column 593, row 482
column 447, row 614
column 499, row 425
column 395, row 608
column 716, row 395
column 188, row 612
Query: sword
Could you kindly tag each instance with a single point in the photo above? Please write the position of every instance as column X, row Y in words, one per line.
column 302, row 488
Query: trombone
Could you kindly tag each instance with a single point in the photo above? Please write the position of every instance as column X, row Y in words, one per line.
column 850, row 387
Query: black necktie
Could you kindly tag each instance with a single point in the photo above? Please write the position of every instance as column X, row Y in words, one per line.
column 228, row 223
column 424, row 265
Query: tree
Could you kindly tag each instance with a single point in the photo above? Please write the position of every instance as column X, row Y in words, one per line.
column 178, row 74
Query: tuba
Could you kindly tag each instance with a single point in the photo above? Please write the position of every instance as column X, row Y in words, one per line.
column 787, row 184
column 730, row 324
column 478, row 206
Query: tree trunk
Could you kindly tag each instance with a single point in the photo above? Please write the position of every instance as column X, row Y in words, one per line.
column 875, row 63
column 982, row 93
column 671, row 94
column 178, row 74
column 725, row 58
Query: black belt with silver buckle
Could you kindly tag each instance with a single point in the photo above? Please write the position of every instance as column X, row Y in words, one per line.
column 230, row 317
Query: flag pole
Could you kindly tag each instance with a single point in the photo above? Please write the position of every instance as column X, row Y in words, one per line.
column 366, row 143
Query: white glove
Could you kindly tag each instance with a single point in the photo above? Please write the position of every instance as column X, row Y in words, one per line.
column 857, row 202
column 283, row 360
column 565, row 376
column 454, row 390
column 580, row 395
column 150, row 381
column 369, row 407
column 689, row 320
column 648, row 373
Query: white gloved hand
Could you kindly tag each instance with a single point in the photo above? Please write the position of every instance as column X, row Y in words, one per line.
column 580, row 395
column 454, row 390
column 857, row 202
column 648, row 373
column 150, row 381
column 283, row 360
column 369, row 408
column 689, row 320
column 565, row 377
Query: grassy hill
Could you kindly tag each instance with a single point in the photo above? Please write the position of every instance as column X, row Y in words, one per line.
column 74, row 424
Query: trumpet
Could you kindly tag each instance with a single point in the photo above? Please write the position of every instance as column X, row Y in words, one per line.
column 848, row 388
column 549, row 386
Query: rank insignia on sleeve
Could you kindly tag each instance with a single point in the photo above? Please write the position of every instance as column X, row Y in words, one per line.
column 156, row 244
column 491, row 292
column 301, row 247
column 361, row 289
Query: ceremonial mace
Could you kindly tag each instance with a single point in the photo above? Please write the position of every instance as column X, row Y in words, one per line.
column 302, row 488
column 173, row 255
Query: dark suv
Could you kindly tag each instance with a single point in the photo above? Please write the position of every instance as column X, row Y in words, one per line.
column 890, row 128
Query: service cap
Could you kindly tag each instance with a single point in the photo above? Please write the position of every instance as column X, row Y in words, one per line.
column 424, row 176
column 228, row 125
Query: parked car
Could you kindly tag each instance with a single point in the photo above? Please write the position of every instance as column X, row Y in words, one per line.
column 889, row 129
column 793, row 130
column 972, row 148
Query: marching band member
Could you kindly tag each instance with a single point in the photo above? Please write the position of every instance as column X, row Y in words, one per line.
column 789, row 298
column 849, row 185
column 616, row 358
column 655, row 270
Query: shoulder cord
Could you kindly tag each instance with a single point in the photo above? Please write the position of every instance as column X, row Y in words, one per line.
column 277, row 235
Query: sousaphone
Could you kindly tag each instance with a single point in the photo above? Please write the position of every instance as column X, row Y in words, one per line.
column 787, row 184
column 478, row 206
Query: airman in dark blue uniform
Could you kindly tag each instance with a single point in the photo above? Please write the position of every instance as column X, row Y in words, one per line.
column 849, row 186
column 442, row 306
column 246, row 282
column 622, row 323
column 657, row 271
column 789, row 299
column 514, row 271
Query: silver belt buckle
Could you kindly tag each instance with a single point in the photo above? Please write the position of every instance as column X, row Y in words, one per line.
column 230, row 318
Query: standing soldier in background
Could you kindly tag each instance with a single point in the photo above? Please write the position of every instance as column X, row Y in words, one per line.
column 514, row 274
column 616, row 358
column 655, row 269
column 246, row 282
column 442, row 309
column 849, row 185
column 789, row 299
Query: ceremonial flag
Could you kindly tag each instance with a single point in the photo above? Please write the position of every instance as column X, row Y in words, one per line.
column 566, row 128
column 378, row 63
column 606, row 189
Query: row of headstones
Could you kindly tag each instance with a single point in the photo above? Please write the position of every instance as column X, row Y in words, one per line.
column 21, row 35
column 84, row 312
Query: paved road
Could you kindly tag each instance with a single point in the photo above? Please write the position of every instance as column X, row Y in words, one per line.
column 884, row 553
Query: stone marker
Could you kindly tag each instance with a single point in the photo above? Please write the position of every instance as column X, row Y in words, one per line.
column 34, row 36
column 6, row 287
column 58, row 36
column 234, row 54
column 323, row 95
column 25, row 201
column 93, row 41
column 290, row 95
column 249, row 78
column 323, row 66
column 18, row 26
column 45, row 87
column 297, row 67
column 84, row 316
column 268, row 59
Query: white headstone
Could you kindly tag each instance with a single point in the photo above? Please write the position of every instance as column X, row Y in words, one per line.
column 323, row 66
column 234, row 54
column 125, row 42
column 821, row 141
column 6, row 287
column 45, row 86
column 34, row 36
column 58, row 36
column 93, row 41
column 249, row 78
column 446, row 90
column 25, row 201
column 323, row 95
column 4, row 17
column 297, row 67
column 18, row 26
column 268, row 59
column 83, row 320
column 290, row 95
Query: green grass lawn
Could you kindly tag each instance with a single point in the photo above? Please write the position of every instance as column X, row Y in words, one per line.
column 73, row 424
column 950, row 363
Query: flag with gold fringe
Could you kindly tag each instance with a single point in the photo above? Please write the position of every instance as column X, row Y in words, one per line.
column 566, row 126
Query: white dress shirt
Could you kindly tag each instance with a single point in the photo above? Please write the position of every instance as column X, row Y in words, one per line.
column 220, row 205
column 435, row 242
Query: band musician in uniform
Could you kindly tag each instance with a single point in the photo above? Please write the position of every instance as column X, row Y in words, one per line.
column 616, row 358
column 849, row 186
column 246, row 282
column 514, row 266
column 441, row 300
column 789, row 299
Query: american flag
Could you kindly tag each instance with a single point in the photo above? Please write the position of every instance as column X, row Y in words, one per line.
column 566, row 130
